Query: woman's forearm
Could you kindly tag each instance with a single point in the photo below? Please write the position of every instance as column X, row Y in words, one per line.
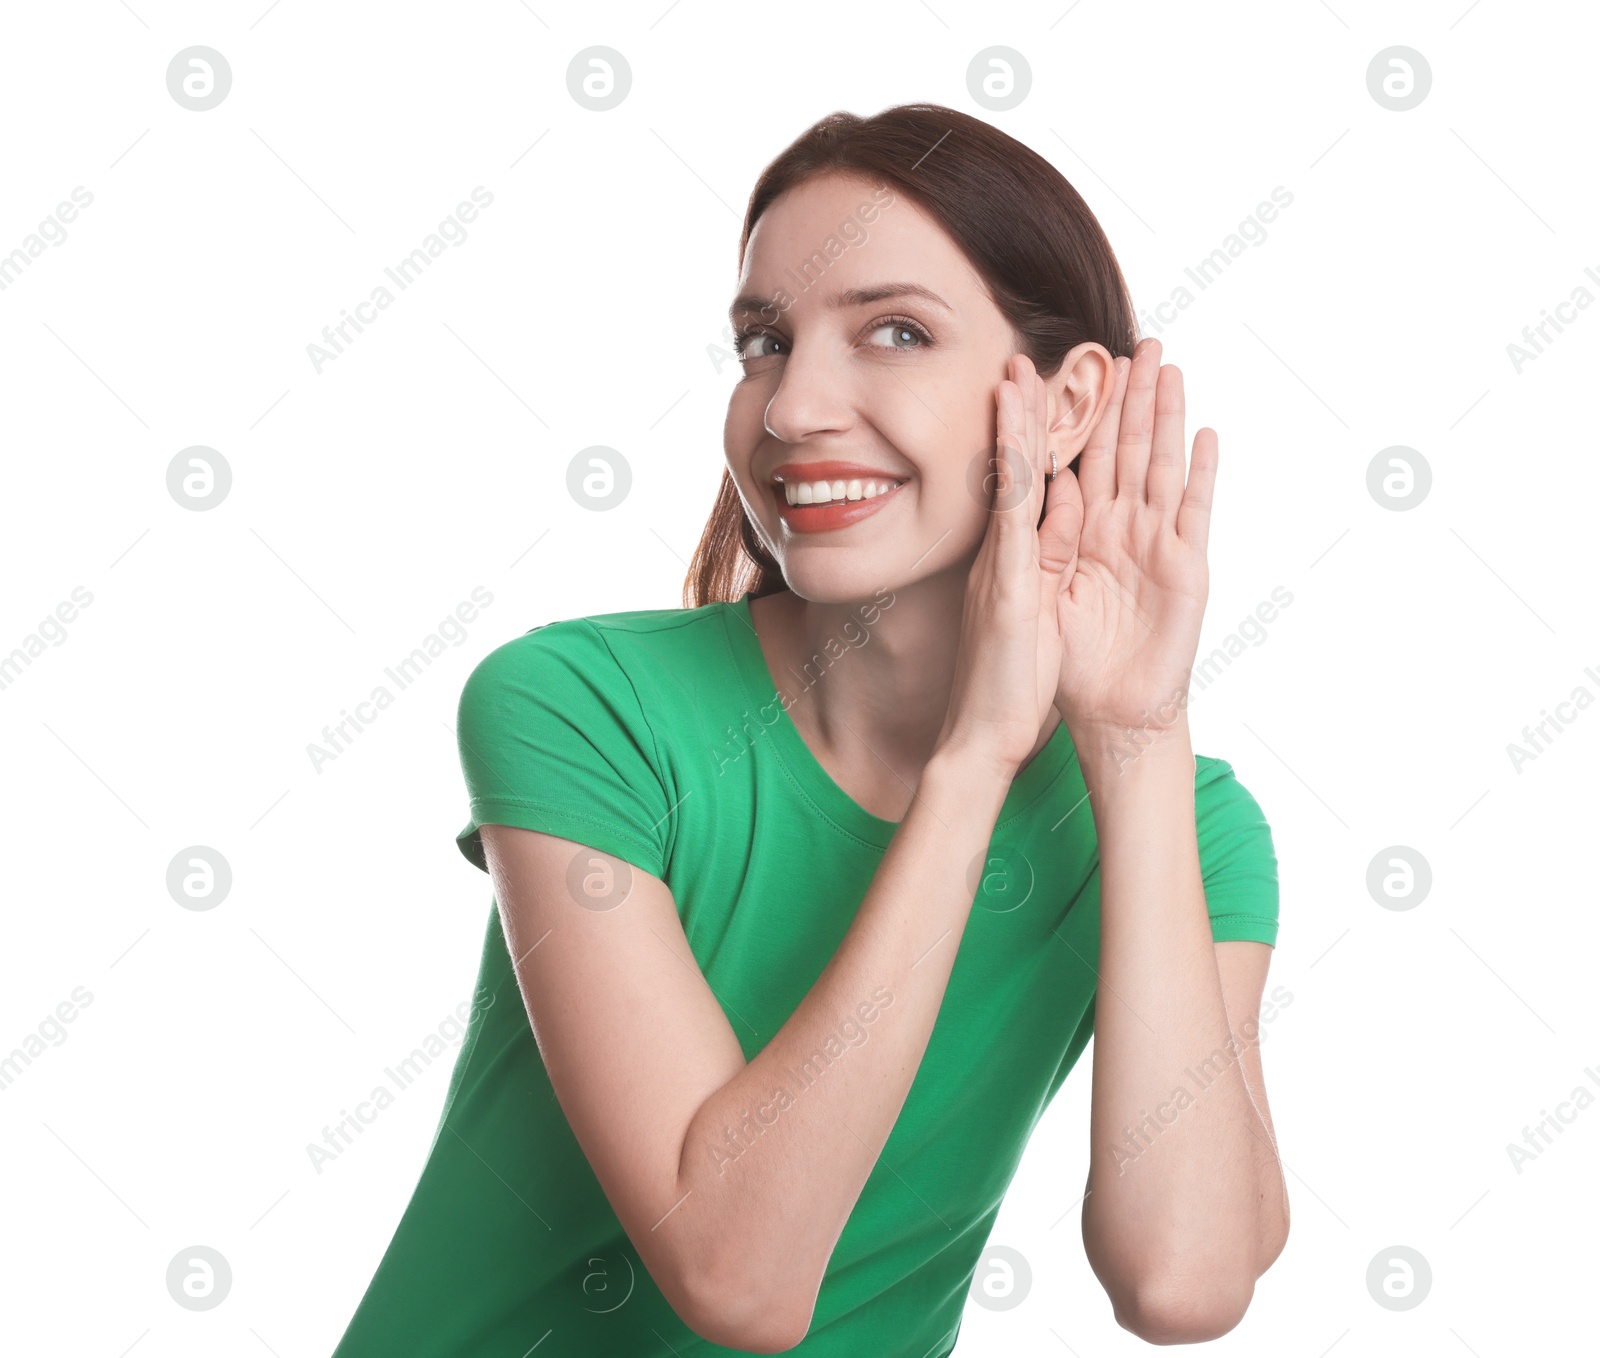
column 1183, row 1178
column 807, row 1128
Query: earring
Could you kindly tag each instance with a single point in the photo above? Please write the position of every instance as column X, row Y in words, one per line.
column 1052, row 475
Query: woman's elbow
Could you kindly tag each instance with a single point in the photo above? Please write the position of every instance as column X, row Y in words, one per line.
column 1183, row 1311
column 739, row 1316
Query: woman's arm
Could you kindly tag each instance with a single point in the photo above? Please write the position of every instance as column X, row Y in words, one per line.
column 651, row 1076
column 1186, row 1204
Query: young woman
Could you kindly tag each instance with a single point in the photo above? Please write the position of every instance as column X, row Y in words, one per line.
column 810, row 894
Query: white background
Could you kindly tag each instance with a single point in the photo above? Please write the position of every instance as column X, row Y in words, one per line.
column 430, row 457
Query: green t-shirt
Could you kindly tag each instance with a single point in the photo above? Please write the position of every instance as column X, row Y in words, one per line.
column 660, row 737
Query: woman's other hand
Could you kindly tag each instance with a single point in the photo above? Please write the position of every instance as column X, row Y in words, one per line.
column 1135, row 533
column 1009, row 662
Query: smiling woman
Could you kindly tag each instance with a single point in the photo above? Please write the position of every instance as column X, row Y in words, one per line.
column 689, row 1099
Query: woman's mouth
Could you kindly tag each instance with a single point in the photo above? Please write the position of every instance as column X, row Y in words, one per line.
column 819, row 497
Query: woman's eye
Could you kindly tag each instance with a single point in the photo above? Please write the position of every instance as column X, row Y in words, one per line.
column 758, row 344
column 899, row 337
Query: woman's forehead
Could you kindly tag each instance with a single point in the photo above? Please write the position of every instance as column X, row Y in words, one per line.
column 831, row 237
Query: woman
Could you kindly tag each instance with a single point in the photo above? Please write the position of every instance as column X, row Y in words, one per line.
column 810, row 894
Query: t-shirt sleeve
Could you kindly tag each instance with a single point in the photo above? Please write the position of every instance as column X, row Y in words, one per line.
column 1237, row 862
column 552, row 737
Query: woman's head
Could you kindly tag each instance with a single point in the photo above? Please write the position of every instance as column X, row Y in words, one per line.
column 1000, row 256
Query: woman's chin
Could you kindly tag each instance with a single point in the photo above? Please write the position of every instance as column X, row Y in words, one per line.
column 847, row 579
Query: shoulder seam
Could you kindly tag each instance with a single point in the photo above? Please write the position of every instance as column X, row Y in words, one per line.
column 663, row 619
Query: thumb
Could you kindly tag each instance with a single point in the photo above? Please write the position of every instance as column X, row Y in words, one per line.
column 1062, row 524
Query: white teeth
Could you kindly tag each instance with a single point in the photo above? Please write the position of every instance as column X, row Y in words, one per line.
column 829, row 492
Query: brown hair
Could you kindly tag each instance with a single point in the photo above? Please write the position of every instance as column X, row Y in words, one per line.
column 1028, row 233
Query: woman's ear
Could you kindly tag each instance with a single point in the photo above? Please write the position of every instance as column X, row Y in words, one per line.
column 1079, row 392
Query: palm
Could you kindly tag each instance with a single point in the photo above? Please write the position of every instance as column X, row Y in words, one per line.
column 1130, row 540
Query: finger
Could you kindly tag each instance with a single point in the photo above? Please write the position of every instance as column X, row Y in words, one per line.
column 1035, row 447
column 1023, row 374
column 1016, row 498
column 1164, row 481
column 1138, row 418
column 1194, row 514
column 994, row 479
column 1008, row 433
column 1097, row 466
column 1062, row 527
column 1041, row 431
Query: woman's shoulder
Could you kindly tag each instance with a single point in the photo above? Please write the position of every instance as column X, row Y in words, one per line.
column 598, row 647
column 1208, row 768
column 1217, row 790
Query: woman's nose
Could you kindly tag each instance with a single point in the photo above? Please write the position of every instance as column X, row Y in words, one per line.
column 811, row 399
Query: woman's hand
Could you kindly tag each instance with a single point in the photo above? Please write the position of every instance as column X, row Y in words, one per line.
column 1009, row 662
column 1134, row 536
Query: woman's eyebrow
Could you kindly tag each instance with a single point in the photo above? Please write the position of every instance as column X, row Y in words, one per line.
column 884, row 291
column 748, row 303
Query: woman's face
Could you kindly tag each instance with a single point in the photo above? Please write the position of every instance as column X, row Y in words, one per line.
column 871, row 355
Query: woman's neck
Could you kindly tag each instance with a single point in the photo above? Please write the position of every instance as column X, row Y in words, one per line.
column 868, row 684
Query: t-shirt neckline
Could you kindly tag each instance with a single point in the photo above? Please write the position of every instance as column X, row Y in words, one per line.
column 769, row 714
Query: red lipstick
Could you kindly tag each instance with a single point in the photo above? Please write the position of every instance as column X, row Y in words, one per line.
column 840, row 512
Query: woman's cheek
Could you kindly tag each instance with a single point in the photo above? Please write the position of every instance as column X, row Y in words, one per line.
column 742, row 428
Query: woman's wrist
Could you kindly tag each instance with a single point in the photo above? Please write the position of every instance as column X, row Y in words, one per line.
column 958, row 774
column 1116, row 756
